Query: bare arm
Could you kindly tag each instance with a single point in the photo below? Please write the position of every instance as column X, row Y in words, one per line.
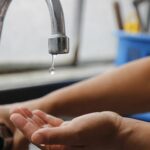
column 124, row 90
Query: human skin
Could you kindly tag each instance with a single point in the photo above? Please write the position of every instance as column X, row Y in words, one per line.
column 124, row 90
column 96, row 131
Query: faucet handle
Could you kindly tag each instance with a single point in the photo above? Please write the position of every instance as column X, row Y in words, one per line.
column 58, row 44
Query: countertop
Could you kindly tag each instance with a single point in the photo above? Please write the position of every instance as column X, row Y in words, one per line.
column 41, row 77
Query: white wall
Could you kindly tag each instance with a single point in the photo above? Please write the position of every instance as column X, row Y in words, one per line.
column 27, row 27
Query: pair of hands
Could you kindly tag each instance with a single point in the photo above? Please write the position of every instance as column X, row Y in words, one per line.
column 96, row 131
column 92, row 131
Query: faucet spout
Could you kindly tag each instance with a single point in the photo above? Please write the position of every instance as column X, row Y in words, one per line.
column 57, row 16
column 58, row 42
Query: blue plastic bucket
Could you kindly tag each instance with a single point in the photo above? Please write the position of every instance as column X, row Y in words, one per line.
column 143, row 117
column 132, row 47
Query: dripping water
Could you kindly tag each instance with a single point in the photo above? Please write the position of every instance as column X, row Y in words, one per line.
column 52, row 68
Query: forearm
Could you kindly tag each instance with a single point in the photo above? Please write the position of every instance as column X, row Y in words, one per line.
column 124, row 90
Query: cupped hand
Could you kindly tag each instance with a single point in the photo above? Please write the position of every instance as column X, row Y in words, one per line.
column 92, row 131
column 96, row 131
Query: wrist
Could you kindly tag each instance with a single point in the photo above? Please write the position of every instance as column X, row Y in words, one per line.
column 134, row 134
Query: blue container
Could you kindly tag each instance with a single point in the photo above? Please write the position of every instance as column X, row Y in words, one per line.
column 132, row 47
column 143, row 117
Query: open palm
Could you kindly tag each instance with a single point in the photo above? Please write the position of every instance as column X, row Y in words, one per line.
column 92, row 131
column 95, row 131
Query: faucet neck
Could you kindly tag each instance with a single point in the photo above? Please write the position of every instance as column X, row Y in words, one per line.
column 4, row 4
column 58, row 42
column 57, row 17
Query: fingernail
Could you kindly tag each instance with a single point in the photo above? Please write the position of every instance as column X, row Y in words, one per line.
column 37, row 138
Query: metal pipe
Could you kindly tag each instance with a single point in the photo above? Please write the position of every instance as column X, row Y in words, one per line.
column 58, row 41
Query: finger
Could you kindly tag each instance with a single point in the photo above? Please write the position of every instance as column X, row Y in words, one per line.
column 53, row 147
column 23, row 111
column 20, row 142
column 26, row 126
column 18, row 120
column 40, row 122
column 59, row 135
column 29, row 115
column 54, row 121
column 64, row 147
column 56, row 147
column 27, row 112
column 65, row 123
column 35, row 119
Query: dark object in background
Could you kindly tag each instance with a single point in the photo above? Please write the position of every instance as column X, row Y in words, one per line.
column 118, row 15
column 78, row 30
column 148, row 18
column 136, row 4
column 32, row 92
column 6, row 139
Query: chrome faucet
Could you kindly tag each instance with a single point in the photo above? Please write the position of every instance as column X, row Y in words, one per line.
column 58, row 42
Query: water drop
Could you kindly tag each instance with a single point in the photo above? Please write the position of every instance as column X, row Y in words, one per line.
column 52, row 69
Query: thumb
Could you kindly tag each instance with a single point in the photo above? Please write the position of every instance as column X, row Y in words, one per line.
column 63, row 135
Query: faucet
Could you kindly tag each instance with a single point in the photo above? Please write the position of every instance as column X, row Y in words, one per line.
column 58, row 43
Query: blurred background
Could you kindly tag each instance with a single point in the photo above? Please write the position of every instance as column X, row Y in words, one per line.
column 24, row 42
column 27, row 28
